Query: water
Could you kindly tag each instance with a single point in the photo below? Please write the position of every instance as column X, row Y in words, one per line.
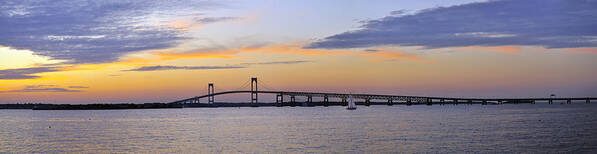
column 538, row 128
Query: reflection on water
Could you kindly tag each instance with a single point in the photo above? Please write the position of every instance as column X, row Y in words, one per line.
column 537, row 128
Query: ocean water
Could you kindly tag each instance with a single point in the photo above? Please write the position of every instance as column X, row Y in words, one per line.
column 531, row 128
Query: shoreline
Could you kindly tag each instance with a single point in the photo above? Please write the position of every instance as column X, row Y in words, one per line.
column 203, row 105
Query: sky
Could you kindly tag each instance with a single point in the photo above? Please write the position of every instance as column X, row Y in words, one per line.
column 129, row 51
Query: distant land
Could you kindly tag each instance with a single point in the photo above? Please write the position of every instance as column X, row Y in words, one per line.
column 88, row 106
column 40, row 106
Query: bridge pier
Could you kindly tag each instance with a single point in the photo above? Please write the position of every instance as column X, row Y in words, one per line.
column 409, row 100
column 210, row 93
column 280, row 98
column 254, row 90
column 292, row 100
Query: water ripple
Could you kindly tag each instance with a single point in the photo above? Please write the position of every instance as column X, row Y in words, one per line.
column 527, row 128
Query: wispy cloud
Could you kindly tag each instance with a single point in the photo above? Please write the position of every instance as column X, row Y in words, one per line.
column 187, row 24
column 42, row 88
column 160, row 68
column 545, row 23
column 276, row 62
column 25, row 73
column 241, row 65
column 88, row 31
column 209, row 20
column 78, row 87
column 390, row 53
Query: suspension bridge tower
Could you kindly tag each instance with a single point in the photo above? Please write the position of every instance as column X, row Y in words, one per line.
column 254, row 90
column 210, row 93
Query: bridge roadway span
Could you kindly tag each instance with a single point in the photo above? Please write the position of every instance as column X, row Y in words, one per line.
column 389, row 98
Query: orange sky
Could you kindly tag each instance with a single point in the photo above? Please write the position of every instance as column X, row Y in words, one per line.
column 116, row 52
column 472, row 71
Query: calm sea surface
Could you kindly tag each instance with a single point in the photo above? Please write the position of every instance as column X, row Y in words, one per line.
column 538, row 128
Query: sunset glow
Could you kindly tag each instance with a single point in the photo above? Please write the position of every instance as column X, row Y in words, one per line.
column 161, row 52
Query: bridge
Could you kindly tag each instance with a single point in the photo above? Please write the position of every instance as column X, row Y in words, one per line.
column 365, row 99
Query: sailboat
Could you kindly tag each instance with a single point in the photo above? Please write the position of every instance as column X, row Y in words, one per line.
column 351, row 105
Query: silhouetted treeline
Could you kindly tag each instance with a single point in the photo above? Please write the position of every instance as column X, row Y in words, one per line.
column 88, row 106
column 17, row 106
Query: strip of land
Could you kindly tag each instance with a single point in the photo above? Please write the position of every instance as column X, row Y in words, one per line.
column 89, row 106
column 205, row 105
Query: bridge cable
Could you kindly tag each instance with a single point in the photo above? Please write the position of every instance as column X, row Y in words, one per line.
column 272, row 87
column 218, row 89
column 233, row 89
column 266, row 86
column 243, row 86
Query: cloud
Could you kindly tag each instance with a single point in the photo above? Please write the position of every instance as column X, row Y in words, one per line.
column 160, row 68
column 42, row 88
column 389, row 53
column 87, row 31
column 277, row 62
column 46, row 90
column 545, row 23
column 78, row 87
column 186, row 24
column 25, row 73
column 209, row 20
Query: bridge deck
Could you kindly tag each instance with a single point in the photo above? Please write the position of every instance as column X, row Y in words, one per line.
column 385, row 97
